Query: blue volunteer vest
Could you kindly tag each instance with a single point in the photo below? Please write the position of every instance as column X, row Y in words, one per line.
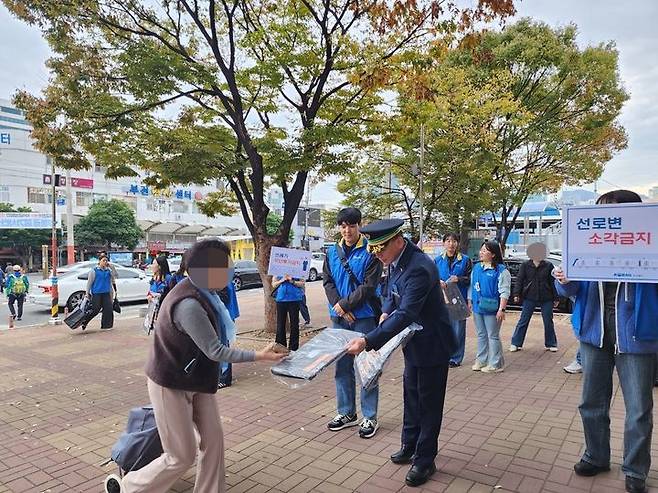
column 102, row 281
column 458, row 269
column 289, row 292
column 487, row 281
column 358, row 260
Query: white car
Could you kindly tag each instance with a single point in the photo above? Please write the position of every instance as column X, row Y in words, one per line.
column 132, row 285
column 317, row 262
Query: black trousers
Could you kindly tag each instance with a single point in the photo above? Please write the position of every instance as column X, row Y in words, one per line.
column 285, row 310
column 102, row 301
column 18, row 298
column 424, row 393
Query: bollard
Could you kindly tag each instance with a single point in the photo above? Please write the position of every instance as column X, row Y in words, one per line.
column 11, row 321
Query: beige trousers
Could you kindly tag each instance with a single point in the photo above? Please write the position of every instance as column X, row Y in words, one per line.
column 177, row 414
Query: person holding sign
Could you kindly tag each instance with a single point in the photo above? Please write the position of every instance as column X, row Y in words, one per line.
column 617, row 327
column 288, row 292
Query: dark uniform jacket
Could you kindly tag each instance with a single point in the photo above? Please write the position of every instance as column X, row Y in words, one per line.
column 535, row 283
column 411, row 294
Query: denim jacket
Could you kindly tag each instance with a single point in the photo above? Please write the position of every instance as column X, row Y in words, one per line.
column 637, row 322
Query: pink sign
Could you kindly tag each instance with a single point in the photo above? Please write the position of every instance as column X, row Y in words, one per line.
column 82, row 183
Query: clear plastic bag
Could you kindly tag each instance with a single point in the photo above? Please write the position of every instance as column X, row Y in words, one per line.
column 455, row 303
column 370, row 364
column 310, row 359
column 151, row 314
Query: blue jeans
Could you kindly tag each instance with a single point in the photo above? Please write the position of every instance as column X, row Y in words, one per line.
column 459, row 328
column 490, row 350
column 550, row 340
column 636, row 376
column 345, row 381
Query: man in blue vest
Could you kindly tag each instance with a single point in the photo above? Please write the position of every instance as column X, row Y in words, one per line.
column 411, row 294
column 350, row 278
column 455, row 267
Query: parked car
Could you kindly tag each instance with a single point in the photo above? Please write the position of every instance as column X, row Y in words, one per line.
column 317, row 262
column 246, row 274
column 562, row 304
column 132, row 285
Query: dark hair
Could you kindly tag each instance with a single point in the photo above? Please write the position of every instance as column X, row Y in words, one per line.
column 454, row 236
column 494, row 248
column 349, row 215
column 183, row 266
column 163, row 263
column 197, row 255
column 618, row 197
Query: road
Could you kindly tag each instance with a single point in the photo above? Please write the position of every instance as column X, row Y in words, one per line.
column 249, row 300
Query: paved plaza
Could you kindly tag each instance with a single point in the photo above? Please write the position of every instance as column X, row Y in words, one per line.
column 66, row 396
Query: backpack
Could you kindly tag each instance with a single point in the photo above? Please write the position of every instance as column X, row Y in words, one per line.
column 19, row 286
column 140, row 444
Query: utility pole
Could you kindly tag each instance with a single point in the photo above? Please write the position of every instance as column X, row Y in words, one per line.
column 420, row 187
column 70, row 241
column 54, row 305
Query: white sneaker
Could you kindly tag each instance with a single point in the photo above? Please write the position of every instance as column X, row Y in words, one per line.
column 573, row 367
column 513, row 348
column 477, row 366
column 491, row 369
column 552, row 349
column 112, row 484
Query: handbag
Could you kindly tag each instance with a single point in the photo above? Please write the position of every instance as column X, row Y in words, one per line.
column 489, row 305
column 116, row 306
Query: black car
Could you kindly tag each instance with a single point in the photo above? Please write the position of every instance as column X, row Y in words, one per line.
column 561, row 305
column 246, row 274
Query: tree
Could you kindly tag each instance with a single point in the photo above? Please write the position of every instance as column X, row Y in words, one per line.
column 109, row 223
column 565, row 127
column 24, row 241
column 273, row 90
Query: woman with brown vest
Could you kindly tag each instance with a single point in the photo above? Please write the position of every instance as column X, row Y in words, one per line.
column 191, row 336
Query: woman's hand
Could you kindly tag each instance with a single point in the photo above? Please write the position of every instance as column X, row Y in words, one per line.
column 269, row 354
column 559, row 274
column 500, row 315
column 453, row 279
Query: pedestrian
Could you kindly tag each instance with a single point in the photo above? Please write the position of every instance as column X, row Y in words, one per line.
column 616, row 325
column 350, row 278
column 487, row 299
column 161, row 277
column 113, row 268
column 230, row 299
column 455, row 267
column 17, row 285
column 535, row 286
column 101, row 293
column 182, row 375
column 411, row 294
column 287, row 293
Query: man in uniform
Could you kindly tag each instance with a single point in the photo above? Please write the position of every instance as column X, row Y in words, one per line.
column 412, row 288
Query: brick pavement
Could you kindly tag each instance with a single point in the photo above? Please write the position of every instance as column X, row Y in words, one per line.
column 66, row 396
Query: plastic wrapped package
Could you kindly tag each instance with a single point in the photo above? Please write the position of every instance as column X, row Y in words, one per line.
column 310, row 359
column 151, row 314
column 455, row 303
column 370, row 364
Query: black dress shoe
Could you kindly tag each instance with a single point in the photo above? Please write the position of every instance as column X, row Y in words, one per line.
column 419, row 475
column 584, row 468
column 635, row 485
column 402, row 456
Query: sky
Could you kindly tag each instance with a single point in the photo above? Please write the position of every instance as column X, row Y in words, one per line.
column 629, row 24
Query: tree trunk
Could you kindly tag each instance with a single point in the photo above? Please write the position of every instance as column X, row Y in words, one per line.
column 264, row 247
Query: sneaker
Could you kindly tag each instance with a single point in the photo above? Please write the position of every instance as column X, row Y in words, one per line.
column 552, row 349
column 477, row 366
column 306, row 325
column 112, row 484
column 491, row 369
column 513, row 348
column 107, row 328
column 342, row 421
column 368, row 428
column 573, row 367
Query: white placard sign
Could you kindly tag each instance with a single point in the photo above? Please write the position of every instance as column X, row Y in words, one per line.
column 616, row 242
column 289, row 262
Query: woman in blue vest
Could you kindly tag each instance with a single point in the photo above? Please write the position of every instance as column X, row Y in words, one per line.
column 491, row 285
column 289, row 293
column 455, row 267
column 161, row 276
column 101, row 293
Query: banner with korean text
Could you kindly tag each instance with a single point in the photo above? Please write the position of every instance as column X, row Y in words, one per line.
column 289, row 262
column 615, row 242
